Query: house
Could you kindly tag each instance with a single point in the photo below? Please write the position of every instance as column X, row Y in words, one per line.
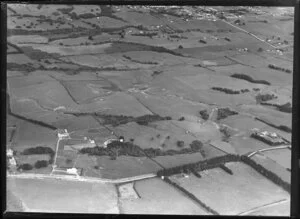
column 9, row 152
column 63, row 133
column 270, row 138
column 72, row 171
column 12, row 161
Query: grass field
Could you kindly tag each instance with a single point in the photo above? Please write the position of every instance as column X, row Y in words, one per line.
column 157, row 197
column 82, row 197
column 232, row 194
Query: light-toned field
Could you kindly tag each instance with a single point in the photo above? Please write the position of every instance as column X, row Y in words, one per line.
column 281, row 156
column 127, row 191
column 52, row 195
column 118, row 103
column 157, row 197
column 233, row 194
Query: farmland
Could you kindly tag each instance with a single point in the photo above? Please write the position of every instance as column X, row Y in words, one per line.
column 216, row 182
column 108, row 94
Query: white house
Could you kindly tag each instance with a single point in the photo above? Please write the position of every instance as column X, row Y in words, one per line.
column 63, row 133
column 9, row 152
column 72, row 171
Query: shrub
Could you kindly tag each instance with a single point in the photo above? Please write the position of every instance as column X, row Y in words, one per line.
column 202, row 41
column 180, row 47
column 225, row 90
column 25, row 166
column 265, row 97
column 226, row 133
column 204, row 114
column 180, row 144
column 260, row 49
column 181, row 118
column 224, row 113
column 227, row 39
column 40, row 164
column 90, row 37
column 196, row 145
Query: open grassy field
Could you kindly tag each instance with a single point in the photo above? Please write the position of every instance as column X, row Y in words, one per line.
column 233, row 194
column 157, row 197
column 41, row 195
column 125, row 166
column 282, row 157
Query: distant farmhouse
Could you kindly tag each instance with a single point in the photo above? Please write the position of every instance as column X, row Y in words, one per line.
column 268, row 137
column 62, row 133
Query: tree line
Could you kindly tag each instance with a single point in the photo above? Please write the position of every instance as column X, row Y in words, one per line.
column 116, row 148
column 250, row 79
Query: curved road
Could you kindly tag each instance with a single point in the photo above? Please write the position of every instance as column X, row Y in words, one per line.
column 81, row 179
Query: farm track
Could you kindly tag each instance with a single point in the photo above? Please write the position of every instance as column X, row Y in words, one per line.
column 268, row 149
column 81, row 179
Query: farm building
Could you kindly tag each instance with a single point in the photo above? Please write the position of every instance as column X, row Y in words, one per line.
column 267, row 137
column 62, row 133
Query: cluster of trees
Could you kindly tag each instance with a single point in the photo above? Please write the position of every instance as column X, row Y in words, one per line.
column 226, row 90
column 267, row 173
column 190, row 195
column 225, row 112
column 40, row 150
column 250, row 79
column 156, row 73
column 116, row 120
column 265, row 97
column 279, row 68
column 38, row 164
column 116, row 148
column 204, row 114
column 226, row 134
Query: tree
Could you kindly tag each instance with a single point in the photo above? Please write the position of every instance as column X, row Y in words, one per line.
column 259, row 49
column 90, row 38
column 180, row 47
column 196, row 145
column 181, row 118
column 40, row 164
column 180, row 144
column 25, row 166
